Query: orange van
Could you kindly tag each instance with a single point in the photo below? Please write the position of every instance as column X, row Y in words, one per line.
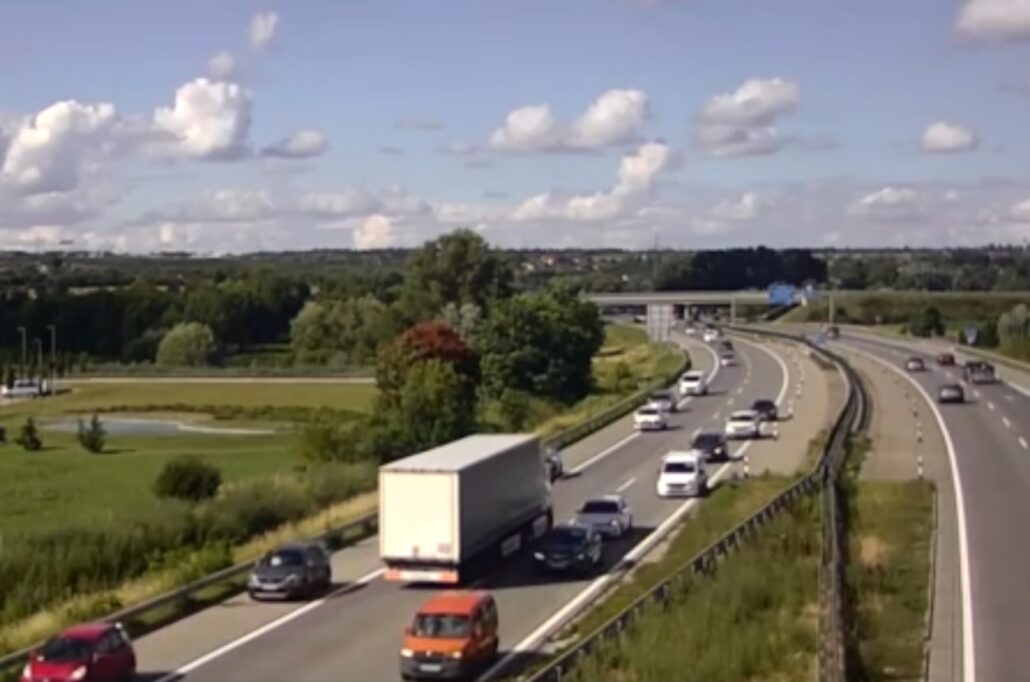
column 453, row 636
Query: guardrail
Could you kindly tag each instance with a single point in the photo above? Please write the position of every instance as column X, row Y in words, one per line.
column 832, row 664
column 353, row 531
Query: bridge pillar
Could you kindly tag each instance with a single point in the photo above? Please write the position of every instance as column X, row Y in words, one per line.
column 659, row 321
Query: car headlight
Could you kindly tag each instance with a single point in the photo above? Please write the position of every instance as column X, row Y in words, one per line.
column 407, row 653
column 614, row 523
column 26, row 672
column 539, row 556
column 252, row 580
column 78, row 673
column 581, row 555
column 457, row 654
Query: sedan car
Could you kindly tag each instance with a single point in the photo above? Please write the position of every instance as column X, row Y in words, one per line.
column 693, row 383
column 682, row 474
column 946, row 360
column 710, row 335
column 951, row 393
column 712, row 445
column 915, row 365
column 573, row 549
column 609, row 515
column 649, row 418
column 766, row 409
column 663, row 401
column 93, row 652
column 291, row 571
column 726, row 344
column 744, row 424
column 727, row 358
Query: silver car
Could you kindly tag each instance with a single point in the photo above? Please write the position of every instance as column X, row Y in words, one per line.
column 608, row 515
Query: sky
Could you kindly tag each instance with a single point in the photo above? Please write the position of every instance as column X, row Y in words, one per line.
column 236, row 126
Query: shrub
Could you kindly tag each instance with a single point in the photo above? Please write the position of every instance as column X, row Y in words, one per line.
column 3, row 435
column 29, row 438
column 188, row 477
column 93, row 437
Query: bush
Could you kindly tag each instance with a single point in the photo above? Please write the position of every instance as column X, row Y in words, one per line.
column 927, row 322
column 29, row 438
column 3, row 435
column 93, row 437
column 188, row 477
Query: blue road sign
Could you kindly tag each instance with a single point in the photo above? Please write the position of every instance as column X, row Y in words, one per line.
column 972, row 334
column 781, row 294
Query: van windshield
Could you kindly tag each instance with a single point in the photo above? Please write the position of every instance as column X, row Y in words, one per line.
column 442, row 625
column 679, row 468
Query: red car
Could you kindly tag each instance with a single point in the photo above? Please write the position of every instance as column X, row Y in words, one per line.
column 94, row 652
column 945, row 359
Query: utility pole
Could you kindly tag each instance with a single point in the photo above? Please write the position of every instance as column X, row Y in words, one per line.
column 24, row 350
column 38, row 345
column 53, row 358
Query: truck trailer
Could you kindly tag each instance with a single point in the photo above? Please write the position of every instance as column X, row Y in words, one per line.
column 447, row 512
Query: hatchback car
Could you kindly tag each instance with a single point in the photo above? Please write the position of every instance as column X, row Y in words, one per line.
column 93, row 652
column 766, row 409
column 662, row 400
column 454, row 635
column 291, row 571
column 649, row 418
column 945, row 359
column 713, row 445
column 710, row 335
column 609, row 515
column 727, row 359
column 570, row 549
column 693, row 383
column 915, row 365
column 682, row 474
column 744, row 424
column 951, row 393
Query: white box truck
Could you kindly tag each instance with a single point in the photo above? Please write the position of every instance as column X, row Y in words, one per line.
column 447, row 512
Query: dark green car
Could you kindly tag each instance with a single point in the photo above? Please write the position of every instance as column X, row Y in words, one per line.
column 570, row 549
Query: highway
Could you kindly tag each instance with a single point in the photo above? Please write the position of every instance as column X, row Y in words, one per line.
column 988, row 443
column 354, row 633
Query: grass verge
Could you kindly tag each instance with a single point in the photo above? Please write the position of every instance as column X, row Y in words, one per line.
column 890, row 543
column 746, row 622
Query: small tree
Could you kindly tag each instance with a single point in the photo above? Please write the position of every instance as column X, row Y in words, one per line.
column 187, row 344
column 927, row 322
column 92, row 437
column 29, row 438
column 187, row 477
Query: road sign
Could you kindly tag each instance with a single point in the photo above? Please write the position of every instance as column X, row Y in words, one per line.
column 781, row 294
column 972, row 334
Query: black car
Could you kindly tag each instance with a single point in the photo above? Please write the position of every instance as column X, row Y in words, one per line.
column 713, row 445
column 951, row 393
column 570, row 549
column 555, row 466
column 291, row 571
column 767, row 409
column 726, row 344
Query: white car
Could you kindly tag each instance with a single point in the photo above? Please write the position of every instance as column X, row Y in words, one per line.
column 690, row 330
column 609, row 515
column 693, row 383
column 663, row 401
column 744, row 424
column 23, row 388
column 711, row 335
column 649, row 418
column 727, row 358
column 682, row 474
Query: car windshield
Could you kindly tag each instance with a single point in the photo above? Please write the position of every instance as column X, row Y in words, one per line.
column 600, row 507
column 763, row 404
column 442, row 625
column 567, row 536
column 742, row 416
column 707, row 440
column 679, row 468
column 288, row 557
column 65, row 649
column 659, row 396
column 647, row 411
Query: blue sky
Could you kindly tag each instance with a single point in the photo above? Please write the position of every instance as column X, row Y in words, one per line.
column 842, row 94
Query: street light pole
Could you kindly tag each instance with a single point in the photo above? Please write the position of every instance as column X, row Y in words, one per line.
column 53, row 358
column 24, row 350
column 38, row 345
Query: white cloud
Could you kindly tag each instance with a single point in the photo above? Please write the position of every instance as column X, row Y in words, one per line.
column 1021, row 211
column 637, row 171
column 348, row 202
column 222, row 66
column 209, row 120
column 890, row 204
column 745, row 207
column 375, row 232
column 998, row 20
column 50, row 151
column 219, row 206
column 613, row 118
column 300, row 145
column 742, row 122
column 943, row 137
column 261, row 30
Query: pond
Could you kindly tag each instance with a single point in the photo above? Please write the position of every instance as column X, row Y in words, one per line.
column 153, row 427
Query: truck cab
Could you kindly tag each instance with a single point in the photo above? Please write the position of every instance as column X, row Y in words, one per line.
column 454, row 635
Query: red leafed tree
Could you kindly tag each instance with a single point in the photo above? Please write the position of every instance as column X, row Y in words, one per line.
column 421, row 342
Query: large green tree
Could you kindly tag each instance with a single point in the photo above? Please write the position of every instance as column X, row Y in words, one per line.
column 354, row 327
column 187, row 344
column 542, row 345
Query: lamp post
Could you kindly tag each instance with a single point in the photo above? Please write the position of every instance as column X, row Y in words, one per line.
column 38, row 346
column 24, row 350
column 53, row 357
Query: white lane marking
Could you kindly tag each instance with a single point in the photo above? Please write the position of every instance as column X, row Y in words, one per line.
column 990, row 406
column 535, row 639
column 968, row 644
column 268, row 627
column 729, row 403
column 1006, row 422
column 976, row 393
column 626, row 484
column 715, row 417
column 696, row 431
column 1009, row 398
column 1023, row 443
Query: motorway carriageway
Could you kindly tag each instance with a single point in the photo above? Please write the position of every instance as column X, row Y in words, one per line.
column 355, row 632
column 989, row 443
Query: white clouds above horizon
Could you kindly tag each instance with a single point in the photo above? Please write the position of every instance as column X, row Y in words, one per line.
column 944, row 137
column 743, row 122
column 890, row 204
column 302, row 144
column 995, row 20
column 262, row 28
column 613, row 118
column 208, row 120
column 221, row 66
